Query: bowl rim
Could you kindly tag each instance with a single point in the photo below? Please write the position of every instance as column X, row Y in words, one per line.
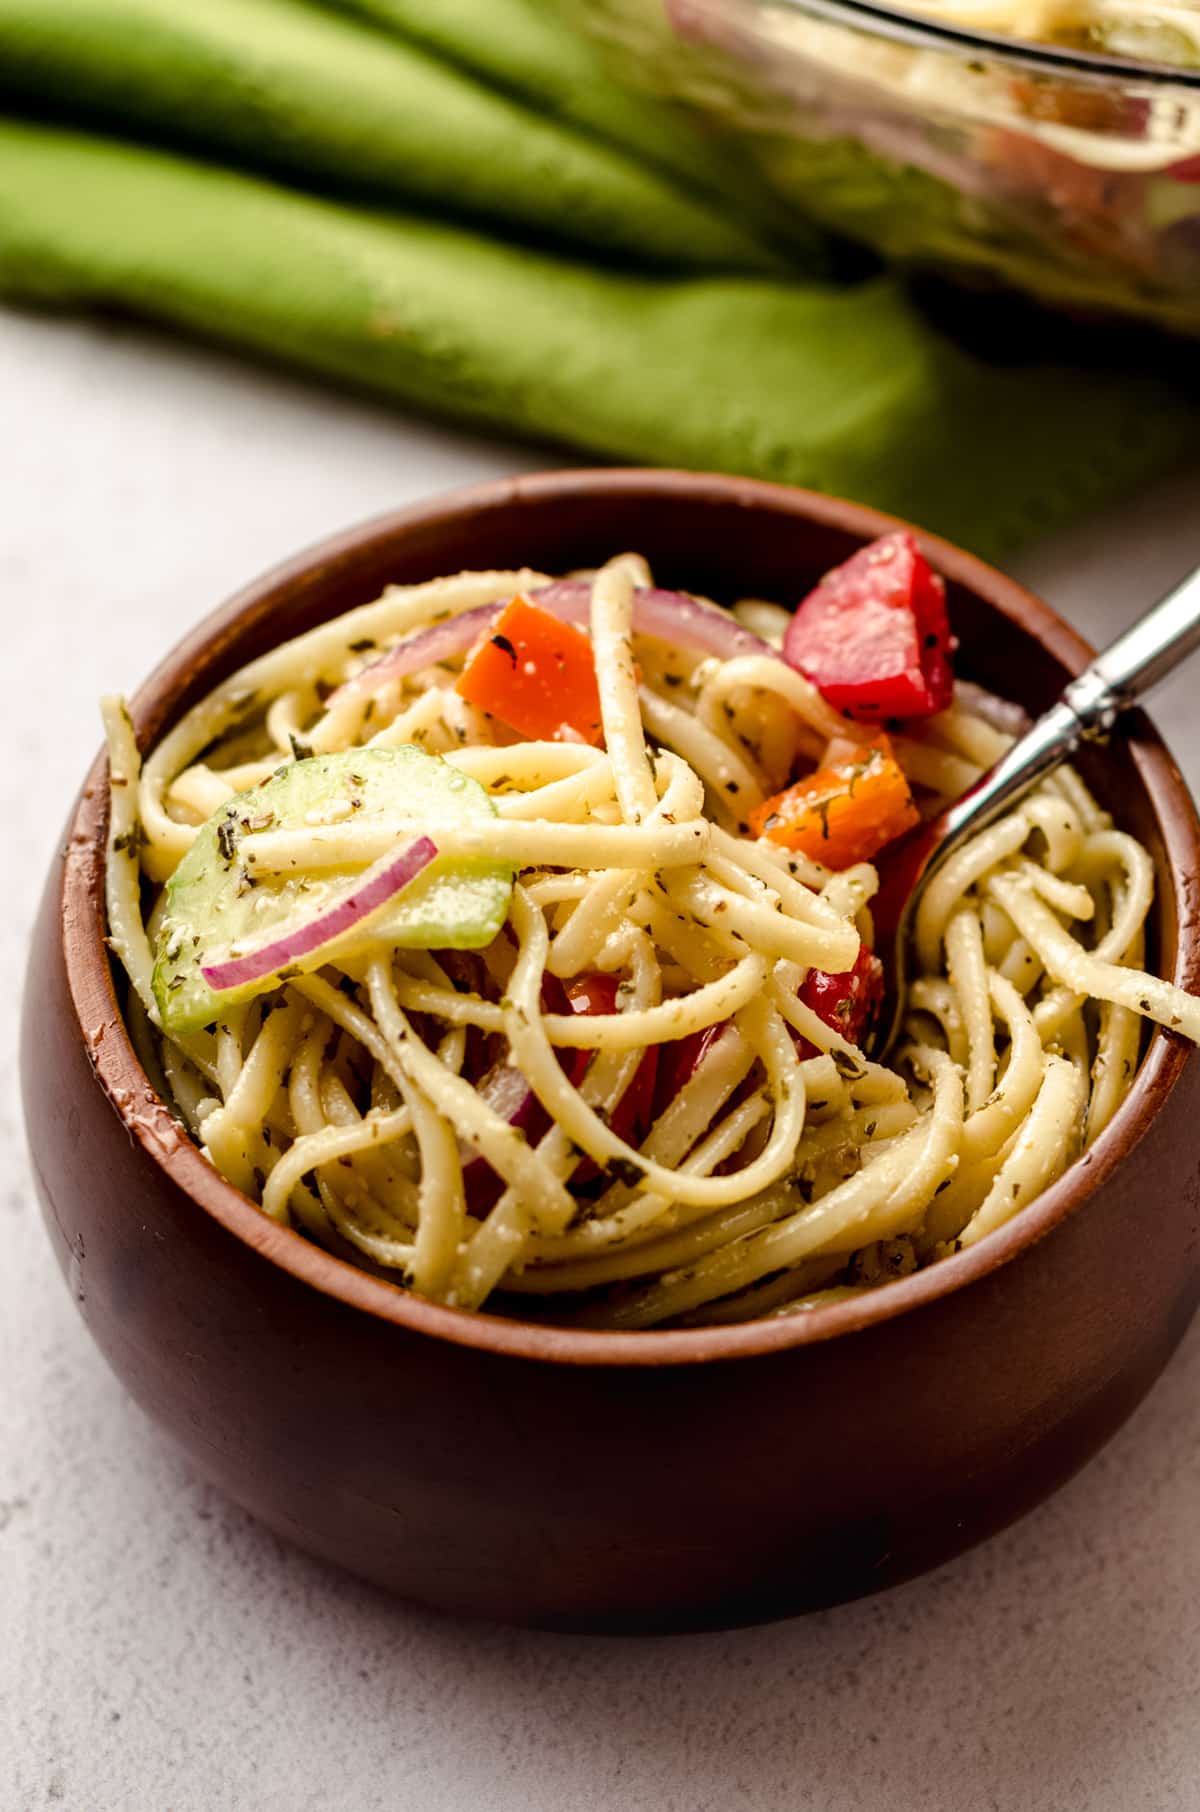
column 901, row 26
column 153, row 1128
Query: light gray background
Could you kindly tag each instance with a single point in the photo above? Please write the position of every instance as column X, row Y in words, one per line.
column 158, row 1651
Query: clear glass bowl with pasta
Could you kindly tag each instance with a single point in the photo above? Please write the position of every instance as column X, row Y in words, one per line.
column 623, row 1110
column 1049, row 148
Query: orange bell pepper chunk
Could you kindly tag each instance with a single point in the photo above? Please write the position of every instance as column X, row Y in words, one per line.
column 843, row 813
column 536, row 674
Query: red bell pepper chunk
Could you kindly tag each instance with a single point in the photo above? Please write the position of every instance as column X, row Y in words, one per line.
column 633, row 1115
column 874, row 637
column 848, row 1003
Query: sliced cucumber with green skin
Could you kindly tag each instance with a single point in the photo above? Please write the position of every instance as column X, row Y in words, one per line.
column 214, row 906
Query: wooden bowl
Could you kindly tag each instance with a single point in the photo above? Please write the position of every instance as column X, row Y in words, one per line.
column 602, row 1480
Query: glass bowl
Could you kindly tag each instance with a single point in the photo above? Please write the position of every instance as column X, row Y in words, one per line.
column 1068, row 175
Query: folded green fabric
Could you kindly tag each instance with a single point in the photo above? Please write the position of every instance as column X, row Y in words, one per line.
column 306, row 91
column 848, row 391
column 524, row 48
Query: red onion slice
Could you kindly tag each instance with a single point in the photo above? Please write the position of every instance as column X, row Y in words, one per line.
column 440, row 643
column 374, row 888
column 1000, row 713
column 507, row 1093
column 670, row 616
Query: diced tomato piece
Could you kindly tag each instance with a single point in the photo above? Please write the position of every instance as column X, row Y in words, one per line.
column 680, row 1060
column 536, row 674
column 844, row 814
column 633, row 1115
column 874, row 637
column 557, row 999
column 846, row 1002
column 592, row 993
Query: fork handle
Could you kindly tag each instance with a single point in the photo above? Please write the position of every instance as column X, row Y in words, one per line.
column 1090, row 705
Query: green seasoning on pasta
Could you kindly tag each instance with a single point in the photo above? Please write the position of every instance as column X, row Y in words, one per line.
column 511, row 937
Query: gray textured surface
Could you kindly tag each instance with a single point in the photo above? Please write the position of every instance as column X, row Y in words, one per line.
column 158, row 1652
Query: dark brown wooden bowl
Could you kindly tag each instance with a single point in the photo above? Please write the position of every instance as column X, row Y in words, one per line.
column 617, row 1481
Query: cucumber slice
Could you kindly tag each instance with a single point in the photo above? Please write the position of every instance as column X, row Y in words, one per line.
column 212, row 903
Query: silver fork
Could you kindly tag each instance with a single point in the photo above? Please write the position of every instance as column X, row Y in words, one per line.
column 1087, row 710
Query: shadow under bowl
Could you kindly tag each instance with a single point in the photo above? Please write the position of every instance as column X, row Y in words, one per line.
column 673, row 1479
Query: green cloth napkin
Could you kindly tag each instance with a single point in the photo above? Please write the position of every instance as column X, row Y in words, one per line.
column 524, row 48
column 728, row 362
column 309, row 93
